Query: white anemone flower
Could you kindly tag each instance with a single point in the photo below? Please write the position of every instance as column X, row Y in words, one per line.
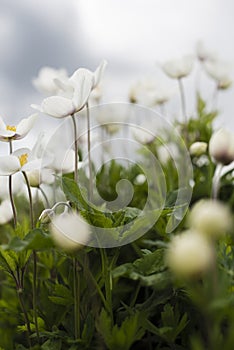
column 204, row 53
column 69, row 231
column 73, row 94
column 178, row 68
column 45, row 81
column 219, row 71
column 16, row 132
column 150, row 93
column 221, row 146
column 211, row 218
column 189, row 254
column 6, row 213
column 20, row 160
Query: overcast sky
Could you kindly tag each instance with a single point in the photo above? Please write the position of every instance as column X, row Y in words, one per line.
column 133, row 35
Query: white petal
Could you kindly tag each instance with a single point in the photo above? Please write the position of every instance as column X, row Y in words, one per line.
column 99, row 73
column 6, row 213
column 9, row 165
column 58, row 106
column 5, row 134
column 25, row 126
column 32, row 165
column 70, row 231
column 83, row 85
column 19, row 152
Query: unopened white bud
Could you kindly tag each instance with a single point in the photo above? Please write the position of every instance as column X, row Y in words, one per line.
column 221, row 146
column 198, row 148
column 211, row 218
column 189, row 255
column 69, row 231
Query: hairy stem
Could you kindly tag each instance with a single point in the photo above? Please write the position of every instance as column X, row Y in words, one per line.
column 216, row 181
column 76, row 292
column 34, row 259
column 89, row 155
column 11, row 193
column 44, row 196
column 76, row 148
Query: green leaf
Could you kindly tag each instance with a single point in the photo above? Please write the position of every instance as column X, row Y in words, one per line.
column 62, row 295
column 123, row 336
column 75, row 193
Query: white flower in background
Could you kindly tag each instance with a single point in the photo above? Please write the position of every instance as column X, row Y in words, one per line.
column 111, row 119
column 6, row 213
column 211, row 218
column 198, row 148
column 144, row 134
column 204, row 53
column 16, row 132
column 189, row 255
column 74, row 93
column 17, row 186
column 150, row 93
column 140, row 179
column 45, row 81
column 69, row 231
column 178, row 68
column 20, row 160
column 219, row 71
column 221, row 146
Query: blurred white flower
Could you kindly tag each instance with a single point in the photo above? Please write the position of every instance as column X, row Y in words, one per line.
column 69, row 231
column 178, row 68
column 150, row 93
column 140, row 179
column 219, row 71
column 17, row 186
column 45, row 81
column 16, row 132
column 198, row 148
column 211, row 218
column 144, row 134
column 204, row 53
column 111, row 119
column 221, row 146
column 189, row 255
column 6, row 213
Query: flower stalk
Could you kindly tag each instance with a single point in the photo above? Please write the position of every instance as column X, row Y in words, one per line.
column 34, row 259
column 76, row 148
column 11, row 192
column 89, row 155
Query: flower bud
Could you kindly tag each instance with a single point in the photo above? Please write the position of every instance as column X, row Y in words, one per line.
column 211, row 218
column 69, row 231
column 198, row 148
column 221, row 147
column 189, row 255
column 34, row 177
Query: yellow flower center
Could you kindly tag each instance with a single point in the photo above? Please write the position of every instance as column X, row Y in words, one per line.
column 23, row 159
column 11, row 127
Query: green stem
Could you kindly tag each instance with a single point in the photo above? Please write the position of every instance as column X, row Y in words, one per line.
column 76, row 292
column 106, row 270
column 34, row 259
column 44, row 196
column 216, row 181
column 26, row 320
column 89, row 155
column 11, row 192
column 76, row 148
column 183, row 107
